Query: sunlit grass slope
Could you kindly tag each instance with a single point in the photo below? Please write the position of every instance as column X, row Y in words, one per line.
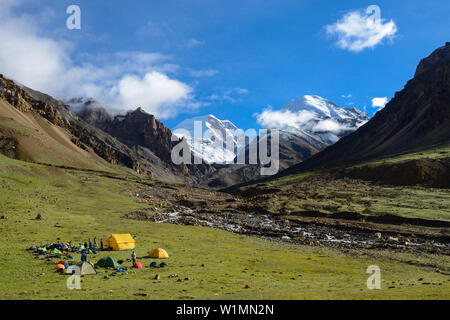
column 79, row 205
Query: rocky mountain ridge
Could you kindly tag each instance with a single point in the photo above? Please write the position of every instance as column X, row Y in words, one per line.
column 418, row 116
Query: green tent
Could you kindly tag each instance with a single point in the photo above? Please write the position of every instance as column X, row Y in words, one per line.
column 56, row 251
column 108, row 262
column 43, row 249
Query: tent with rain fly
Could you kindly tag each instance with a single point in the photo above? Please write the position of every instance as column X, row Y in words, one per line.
column 108, row 262
column 85, row 268
column 121, row 242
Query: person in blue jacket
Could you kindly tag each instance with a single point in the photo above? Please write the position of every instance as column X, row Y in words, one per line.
column 83, row 257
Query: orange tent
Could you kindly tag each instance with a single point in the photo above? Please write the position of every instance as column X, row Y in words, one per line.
column 60, row 266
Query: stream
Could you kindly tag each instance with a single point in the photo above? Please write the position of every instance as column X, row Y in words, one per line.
column 273, row 228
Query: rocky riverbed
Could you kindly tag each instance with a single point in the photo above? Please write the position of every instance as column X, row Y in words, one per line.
column 274, row 228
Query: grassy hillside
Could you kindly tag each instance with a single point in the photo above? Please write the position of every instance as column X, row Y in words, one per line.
column 332, row 191
column 434, row 152
column 78, row 205
column 299, row 194
column 50, row 145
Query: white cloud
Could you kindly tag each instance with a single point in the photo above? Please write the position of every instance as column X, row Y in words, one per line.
column 286, row 119
column 271, row 119
column 121, row 80
column 191, row 43
column 156, row 93
column 379, row 102
column 348, row 96
column 142, row 57
column 328, row 125
column 202, row 73
column 153, row 30
column 31, row 59
column 357, row 31
column 239, row 90
column 6, row 6
column 232, row 95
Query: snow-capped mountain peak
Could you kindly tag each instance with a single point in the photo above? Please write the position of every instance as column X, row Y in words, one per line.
column 207, row 137
column 315, row 118
column 322, row 108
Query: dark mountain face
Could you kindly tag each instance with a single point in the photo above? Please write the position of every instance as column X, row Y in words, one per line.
column 293, row 149
column 149, row 138
column 143, row 132
column 146, row 142
column 56, row 112
column 138, row 128
column 91, row 112
column 418, row 116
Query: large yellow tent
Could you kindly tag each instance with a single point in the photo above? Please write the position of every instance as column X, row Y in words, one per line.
column 158, row 253
column 121, row 242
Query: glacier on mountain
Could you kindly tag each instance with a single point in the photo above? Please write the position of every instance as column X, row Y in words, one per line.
column 314, row 118
column 212, row 139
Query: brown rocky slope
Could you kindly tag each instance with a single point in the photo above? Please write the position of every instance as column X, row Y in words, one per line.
column 81, row 136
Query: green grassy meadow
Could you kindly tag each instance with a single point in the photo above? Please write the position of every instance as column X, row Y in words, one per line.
column 317, row 191
column 78, row 205
column 430, row 152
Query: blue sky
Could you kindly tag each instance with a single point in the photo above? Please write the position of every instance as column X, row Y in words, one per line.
column 229, row 58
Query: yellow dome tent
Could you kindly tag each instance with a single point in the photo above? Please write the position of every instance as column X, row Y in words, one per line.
column 121, row 242
column 158, row 253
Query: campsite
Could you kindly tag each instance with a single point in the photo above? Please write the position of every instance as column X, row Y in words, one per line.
column 67, row 254
column 218, row 264
column 224, row 150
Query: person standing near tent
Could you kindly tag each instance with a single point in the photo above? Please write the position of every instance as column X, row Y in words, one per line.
column 83, row 257
column 133, row 257
column 101, row 244
column 90, row 243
